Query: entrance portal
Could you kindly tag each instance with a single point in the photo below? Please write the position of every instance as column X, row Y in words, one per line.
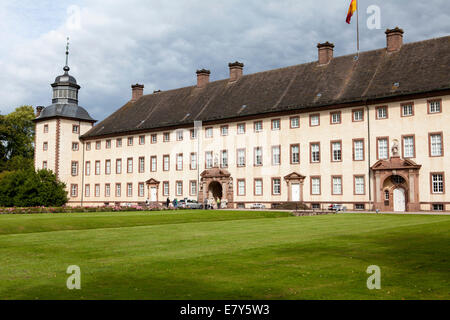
column 399, row 200
column 296, row 192
column 215, row 189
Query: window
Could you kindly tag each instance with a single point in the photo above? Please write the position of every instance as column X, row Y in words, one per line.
column 360, row 206
column 74, row 170
column 407, row 109
column 107, row 190
column 241, row 157
column 97, row 190
column 118, row 143
column 241, row 128
column 408, row 147
column 295, row 122
column 75, row 146
column 381, row 112
column 98, row 145
column 315, row 206
column 180, row 135
column 315, row 186
column 46, row 128
column 166, row 163
column 437, row 183
column 315, row 152
column 193, row 134
column 336, row 151
column 154, row 138
column 434, row 106
column 276, row 124
column 129, row 189
column 88, row 146
column 314, row 120
column 179, row 161
column 97, row 168
column 107, row 166
column 258, row 187
column 295, row 154
column 241, row 187
column 258, row 160
column 44, row 164
column 166, row 136
column 359, row 185
column 224, row 130
column 118, row 189
column 141, row 140
column 276, row 155
column 179, row 188
column 45, row 146
column 87, row 190
column 88, row 168
column 208, row 159
column 438, row 207
column 153, row 164
column 193, row 161
column 129, row 165
column 165, row 188
column 358, row 115
column 193, row 188
column 435, row 141
column 335, row 117
column 382, row 146
column 209, row 132
column 141, row 189
column 108, row 144
column 119, row 166
column 358, row 150
column 141, row 164
column 75, row 128
column 74, row 190
column 386, row 195
column 224, row 159
column 130, row 141
column 337, row 185
column 258, row 125
column 276, row 186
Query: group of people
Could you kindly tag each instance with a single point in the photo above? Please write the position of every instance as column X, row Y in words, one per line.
column 213, row 204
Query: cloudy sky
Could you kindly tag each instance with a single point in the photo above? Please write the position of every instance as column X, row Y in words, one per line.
column 161, row 43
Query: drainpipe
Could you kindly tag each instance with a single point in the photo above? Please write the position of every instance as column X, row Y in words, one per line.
column 368, row 155
column 82, row 164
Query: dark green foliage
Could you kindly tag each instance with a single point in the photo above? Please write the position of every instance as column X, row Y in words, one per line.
column 27, row 188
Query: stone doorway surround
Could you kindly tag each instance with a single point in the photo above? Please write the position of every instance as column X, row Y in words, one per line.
column 152, row 183
column 291, row 179
column 384, row 184
column 221, row 176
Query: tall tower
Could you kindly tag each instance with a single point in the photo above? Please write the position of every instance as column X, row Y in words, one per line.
column 58, row 128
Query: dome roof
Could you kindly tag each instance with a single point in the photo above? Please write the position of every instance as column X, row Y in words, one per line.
column 65, row 78
column 70, row 110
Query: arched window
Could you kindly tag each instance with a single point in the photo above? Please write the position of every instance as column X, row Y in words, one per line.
column 397, row 179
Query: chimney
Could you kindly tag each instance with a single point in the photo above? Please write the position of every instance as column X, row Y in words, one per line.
column 394, row 39
column 325, row 52
column 236, row 70
column 202, row 78
column 39, row 110
column 137, row 91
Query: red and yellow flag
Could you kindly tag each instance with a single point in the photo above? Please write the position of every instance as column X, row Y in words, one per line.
column 351, row 10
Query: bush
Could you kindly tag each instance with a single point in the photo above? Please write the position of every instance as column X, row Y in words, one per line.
column 290, row 206
column 64, row 209
column 28, row 188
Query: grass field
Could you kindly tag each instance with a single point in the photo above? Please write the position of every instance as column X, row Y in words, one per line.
column 224, row 255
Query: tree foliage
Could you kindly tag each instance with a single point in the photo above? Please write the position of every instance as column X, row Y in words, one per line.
column 29, row 188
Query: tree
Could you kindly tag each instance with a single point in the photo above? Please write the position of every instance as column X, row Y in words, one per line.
column 16, row 139
column 28, row 188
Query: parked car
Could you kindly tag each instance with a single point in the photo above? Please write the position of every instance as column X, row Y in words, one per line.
column 337, row 207
column 257, row 206
column 193, row 204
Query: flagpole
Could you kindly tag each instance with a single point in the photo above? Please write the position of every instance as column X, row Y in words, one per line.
column 357, row 26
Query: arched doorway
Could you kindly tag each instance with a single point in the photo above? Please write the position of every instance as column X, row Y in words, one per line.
column 215, row 190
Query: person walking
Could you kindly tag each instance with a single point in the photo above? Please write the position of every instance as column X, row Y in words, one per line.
column 167, row 202
column 218, row 203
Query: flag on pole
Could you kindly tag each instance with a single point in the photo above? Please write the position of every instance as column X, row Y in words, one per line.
column 351, row 10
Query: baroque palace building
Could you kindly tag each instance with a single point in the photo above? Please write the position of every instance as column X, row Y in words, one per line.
column 369, row 131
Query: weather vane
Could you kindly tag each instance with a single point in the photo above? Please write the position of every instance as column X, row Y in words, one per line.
column 66, row 68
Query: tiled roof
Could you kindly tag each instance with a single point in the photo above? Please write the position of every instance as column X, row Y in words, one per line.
column 418, row 67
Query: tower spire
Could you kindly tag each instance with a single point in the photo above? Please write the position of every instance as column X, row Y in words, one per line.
column 66, row 68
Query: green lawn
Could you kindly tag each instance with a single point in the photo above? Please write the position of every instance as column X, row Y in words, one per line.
column 224, row 255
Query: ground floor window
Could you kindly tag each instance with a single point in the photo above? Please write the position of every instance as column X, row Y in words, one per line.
column 241, row 206
column 438, row 207
column 276, row 186
column 179, row 189
column 360, row 206
column 74, row 190
column 141, row 189
column 315, row 206
column 165, row 188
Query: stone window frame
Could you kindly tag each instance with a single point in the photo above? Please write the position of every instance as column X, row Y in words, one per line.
column 363, row 176
column 413, row 136
column 254, row 187
column 363, row 149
